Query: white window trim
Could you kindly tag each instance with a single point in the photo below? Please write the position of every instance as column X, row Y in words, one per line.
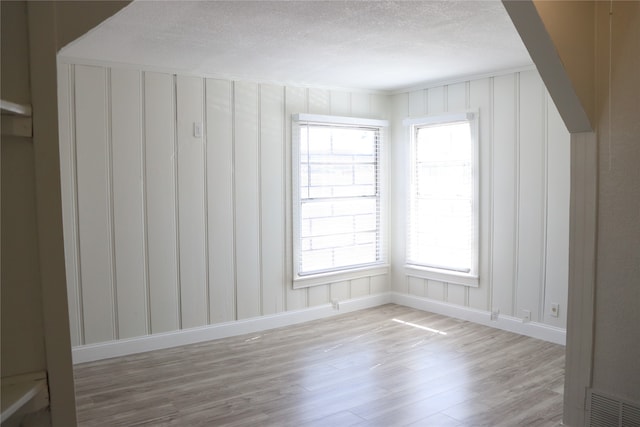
column 357, row 272
column 472, row 278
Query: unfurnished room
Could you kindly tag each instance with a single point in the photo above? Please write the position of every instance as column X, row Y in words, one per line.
column 320, row 213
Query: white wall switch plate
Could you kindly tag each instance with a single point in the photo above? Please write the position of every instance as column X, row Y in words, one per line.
column 197, row 129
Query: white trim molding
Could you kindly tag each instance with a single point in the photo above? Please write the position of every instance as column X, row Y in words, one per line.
column 301, row 282
column 417, row 267
column 447, row 276
column 354, row 268
column 506, row 323
column 340, row 120
column 436, row 119
column 124, row 347
column 582, row 275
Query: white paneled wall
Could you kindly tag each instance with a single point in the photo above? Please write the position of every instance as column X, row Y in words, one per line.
column 160, row 199
column 128, row 207
column 272, row 199
column 524, row 192
column 95, row 204
column 220, row 201
column 166, row 229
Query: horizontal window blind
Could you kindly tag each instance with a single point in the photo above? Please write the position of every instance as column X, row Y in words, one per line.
column 337, row 212
column 442, row 223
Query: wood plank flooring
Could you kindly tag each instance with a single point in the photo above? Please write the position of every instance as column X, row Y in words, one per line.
column 386, row 366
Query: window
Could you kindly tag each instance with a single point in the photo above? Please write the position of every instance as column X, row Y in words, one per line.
column 442, row 231
column 337, row 195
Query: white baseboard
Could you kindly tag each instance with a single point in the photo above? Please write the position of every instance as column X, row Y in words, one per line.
column 123, row 347
column 506, row 323
column 106, row 350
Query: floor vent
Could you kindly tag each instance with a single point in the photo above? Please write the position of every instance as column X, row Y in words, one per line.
column 608, row 411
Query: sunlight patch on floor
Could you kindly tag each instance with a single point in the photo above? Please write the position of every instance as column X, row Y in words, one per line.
column 435, row 331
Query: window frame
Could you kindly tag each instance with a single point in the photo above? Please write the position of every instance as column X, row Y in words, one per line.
column 412, row 125
column 380, row 267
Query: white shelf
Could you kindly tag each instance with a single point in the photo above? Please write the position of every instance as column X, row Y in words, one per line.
column 16, row 119
column 12, row 108
column 21, row 391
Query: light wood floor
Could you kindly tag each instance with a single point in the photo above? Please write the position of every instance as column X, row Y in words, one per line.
column 386, row 366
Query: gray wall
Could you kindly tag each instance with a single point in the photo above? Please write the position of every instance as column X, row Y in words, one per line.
column 616, row 358
column 22, row 320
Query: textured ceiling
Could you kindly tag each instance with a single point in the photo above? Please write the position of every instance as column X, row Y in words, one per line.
column 380, row 45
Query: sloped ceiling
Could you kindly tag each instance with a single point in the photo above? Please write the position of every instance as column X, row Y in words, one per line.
column 377, row 45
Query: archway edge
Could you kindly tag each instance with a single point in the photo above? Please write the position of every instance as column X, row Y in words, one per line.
column 560, row 37
column 552, row 32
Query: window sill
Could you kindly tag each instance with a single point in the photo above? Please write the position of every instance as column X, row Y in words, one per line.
column 442, row 275
column 339, row 276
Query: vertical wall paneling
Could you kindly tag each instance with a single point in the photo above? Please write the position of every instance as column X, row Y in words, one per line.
column 457, row 97
column 111, row 214
column 340, row 103
column 341, row 290
column 531, row 200
column 379, row 284
column 380, row 106
column 66, row 116
column 417, row 286
column 319, row 101
column 94, row 205
column 191, row 201
column 247, row 173
column 480, row 99
column 417, row 103
column 436, row 290
column 272, row 198
column 128, row 202
column 545, row 201
column 295, row 102
column 398, row 182
column 514, row 177
column 319, row 295
column 159, row 107
column 165, row 229
column 436, row 98
column 457, row 294
column 558, row 188
column 504, row 193
column 360, row 287
column 360, row 105
column 219, row 135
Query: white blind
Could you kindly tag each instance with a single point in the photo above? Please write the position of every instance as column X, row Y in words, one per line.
column 337, row 212
column 442, row 216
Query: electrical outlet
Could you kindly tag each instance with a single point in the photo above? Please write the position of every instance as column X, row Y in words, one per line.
column 526, row 316
column 555, row 309
column 335, row 304
column 495, row 313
